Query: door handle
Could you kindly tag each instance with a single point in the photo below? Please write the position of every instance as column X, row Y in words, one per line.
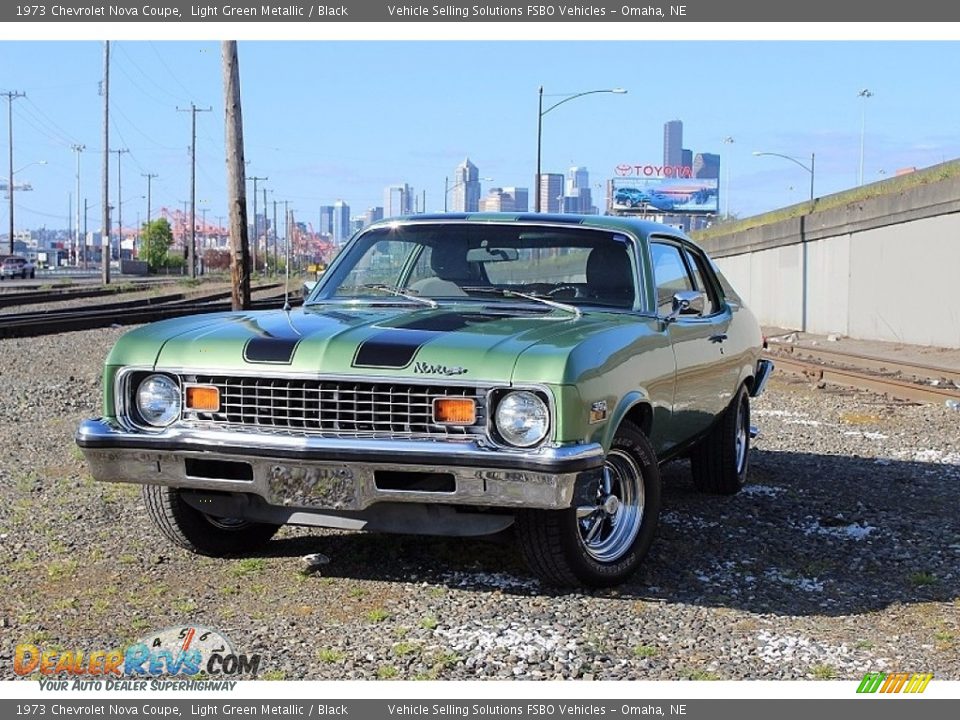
column 718, row 338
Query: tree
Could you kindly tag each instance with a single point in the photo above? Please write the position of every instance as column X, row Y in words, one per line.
column 155, row 240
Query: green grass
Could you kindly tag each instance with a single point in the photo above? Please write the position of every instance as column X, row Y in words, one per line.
column 330, row 655
column 823, row 672
column 183, row 605
column 273, row 675
column 701, row 675
column 645, row 651
column 922, row 578
column 891, row 186
column 428, row 623
column 61, row 569
column 247, row 566
column 377, row 615
column 387, row 672
column 405, row 648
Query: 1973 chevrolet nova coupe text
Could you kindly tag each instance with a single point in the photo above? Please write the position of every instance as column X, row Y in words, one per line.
column 454, row 375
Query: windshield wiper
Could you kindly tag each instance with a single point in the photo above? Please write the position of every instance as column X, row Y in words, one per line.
column 399, row 292
column 536, row 298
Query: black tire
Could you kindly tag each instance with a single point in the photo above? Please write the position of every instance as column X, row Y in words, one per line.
column 720, row 461
column 200, row 533
column 33, row 274
column 558, row 545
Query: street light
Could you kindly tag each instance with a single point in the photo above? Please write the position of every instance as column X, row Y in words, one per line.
column 794, row 160
column 866, row 94
column 448, row 188
column 726, row 194
column 542, row 112
column 11, row 187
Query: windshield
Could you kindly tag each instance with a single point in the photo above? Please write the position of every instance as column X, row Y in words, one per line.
column 486, row 262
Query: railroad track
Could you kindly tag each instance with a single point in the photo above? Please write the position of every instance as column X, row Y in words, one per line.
column 13, row 298
column 913, row 382
column 131, row 312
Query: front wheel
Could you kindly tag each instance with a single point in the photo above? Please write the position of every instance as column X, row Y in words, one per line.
column 719, row 462
column 198, row 532
column 602, row 539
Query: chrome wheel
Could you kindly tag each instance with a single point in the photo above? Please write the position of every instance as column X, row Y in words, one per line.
column 609, row 526
column 741, row 440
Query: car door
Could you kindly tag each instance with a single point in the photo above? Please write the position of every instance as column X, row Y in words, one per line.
column 703, row 385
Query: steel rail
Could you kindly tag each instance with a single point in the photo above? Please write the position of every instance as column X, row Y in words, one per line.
column 868, row 362
column 899, row 389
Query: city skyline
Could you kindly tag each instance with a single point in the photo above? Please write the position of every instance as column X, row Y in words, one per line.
column 315, row 154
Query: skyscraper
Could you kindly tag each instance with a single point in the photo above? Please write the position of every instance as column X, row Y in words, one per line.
column 398, row 200
column 521, row 198
column 341, row 222
column 686, row 158
column 326, row 220
column 373, row 214
column 466, row 187
column 578, row 198
column 551, row 192
column 673, row 143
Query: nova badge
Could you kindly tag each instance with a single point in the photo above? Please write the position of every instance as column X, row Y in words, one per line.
column 423, row 368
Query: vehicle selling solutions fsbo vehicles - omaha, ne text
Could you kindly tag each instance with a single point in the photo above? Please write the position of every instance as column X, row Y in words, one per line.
column 449, row 374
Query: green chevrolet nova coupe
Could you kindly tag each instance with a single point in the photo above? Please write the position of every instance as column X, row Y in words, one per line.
column 449, row 375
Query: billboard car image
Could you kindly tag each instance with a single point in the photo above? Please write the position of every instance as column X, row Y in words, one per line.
column 676, row 195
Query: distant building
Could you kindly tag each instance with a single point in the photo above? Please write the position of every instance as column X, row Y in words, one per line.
column 706, row 165
column 551, row 192
column 465, row 187
column 398, row 200
column 511, row 199
column 673, row 143
column 521, row 198
column 326, row 220
column 578, row 198
column 686, row 158
column 373, row 215
column 341, row 222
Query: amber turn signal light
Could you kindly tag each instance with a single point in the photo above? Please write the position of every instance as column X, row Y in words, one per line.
column 203, row 398
column 454, row 411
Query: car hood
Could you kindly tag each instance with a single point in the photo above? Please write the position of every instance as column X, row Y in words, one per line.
column 480, row 343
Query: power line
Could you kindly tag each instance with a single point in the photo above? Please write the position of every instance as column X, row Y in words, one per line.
column 11, row 95
column 192, row 249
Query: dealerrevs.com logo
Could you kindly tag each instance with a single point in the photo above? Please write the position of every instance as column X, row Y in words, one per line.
column 889, row 683
column 187, row 653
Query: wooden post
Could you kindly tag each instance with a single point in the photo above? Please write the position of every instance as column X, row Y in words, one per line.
column 236, row 180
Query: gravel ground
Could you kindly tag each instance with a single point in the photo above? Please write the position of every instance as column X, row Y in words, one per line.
column 842, row 555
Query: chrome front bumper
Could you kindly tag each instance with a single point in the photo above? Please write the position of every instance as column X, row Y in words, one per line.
column 335, row 473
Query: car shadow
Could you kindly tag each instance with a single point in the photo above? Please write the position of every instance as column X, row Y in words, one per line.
column 810, row 534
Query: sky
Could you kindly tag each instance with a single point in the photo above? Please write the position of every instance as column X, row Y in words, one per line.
column 327, row 120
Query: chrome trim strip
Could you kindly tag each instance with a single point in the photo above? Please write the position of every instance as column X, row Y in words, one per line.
column 764, row 369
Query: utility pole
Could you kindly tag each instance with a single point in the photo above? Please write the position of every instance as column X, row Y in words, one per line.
column 105, row 173
column 192, row 248
column 76, row 247
column 266, row 235
column 119, row 153
column 286, row 230
column 256, row 237
column 276, row 259
column 236, row 182
column 83, row 247
column 149, row 177
column 11, row 95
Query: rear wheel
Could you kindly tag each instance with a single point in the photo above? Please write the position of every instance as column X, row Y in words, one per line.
column 601, row 541
column 198, row 532
column 719, row 462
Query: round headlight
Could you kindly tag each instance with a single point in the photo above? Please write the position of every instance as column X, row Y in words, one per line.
column 158, row 400
column 522, row 418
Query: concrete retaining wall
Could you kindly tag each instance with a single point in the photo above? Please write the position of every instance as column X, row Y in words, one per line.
column 884, row 268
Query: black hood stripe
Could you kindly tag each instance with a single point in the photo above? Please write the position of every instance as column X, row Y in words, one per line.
column 270, row 350
column 395, row 347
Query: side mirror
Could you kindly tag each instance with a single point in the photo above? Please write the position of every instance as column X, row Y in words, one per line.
column 687, row 302
column 308, row 287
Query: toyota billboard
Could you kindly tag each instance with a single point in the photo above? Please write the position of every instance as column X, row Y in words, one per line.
column 664, row 194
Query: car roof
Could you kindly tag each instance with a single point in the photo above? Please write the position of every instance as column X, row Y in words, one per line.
column 634, row 226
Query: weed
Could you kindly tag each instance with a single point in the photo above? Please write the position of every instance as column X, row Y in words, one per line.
column 429, row 623
column 405, row 648
column 330, row 655
column 701, row 675
column 377, row 615
column 387, row 672
column 645, row 651
column 273, row 675
column 61, row 569
column 922, row 578
column 823, row 672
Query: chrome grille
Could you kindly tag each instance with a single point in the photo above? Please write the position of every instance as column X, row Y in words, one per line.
column 334, row 408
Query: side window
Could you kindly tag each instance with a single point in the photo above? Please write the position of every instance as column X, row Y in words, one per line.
column 670, row 274
column 701, row 275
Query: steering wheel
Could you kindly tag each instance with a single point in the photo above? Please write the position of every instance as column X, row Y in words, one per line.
column 577, row 292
